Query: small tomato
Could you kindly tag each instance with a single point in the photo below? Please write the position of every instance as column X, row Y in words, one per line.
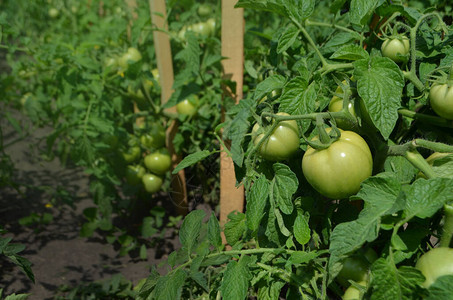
column 441, row 100
column 396, row 48
column 435, row 263
column 151, row 182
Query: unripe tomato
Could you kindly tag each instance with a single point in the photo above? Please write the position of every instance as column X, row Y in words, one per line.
column 435, row 263
column 393, row 47
column 131, row 56
column 158, row 162
column 152, row 183
column 352, row 293
column 210, row 23
column 155, row 139
column 134, row 174
column 132, row 154
column 204, row 10
column 338, row 171
column 281, row 144
column 188, row 106
column 336, row 104
column 355, row 268
column 441, row 100
column 53, row 12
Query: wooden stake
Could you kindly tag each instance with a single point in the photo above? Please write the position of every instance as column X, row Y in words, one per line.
column 165, row 66
column 231, row 197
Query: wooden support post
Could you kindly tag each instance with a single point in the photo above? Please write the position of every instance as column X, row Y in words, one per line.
column 231, row 197
column 165, row 67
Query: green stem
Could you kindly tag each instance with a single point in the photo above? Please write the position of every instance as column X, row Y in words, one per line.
column 434, row 146
column 447, row 228
column 426, row 118
column 417, row 160
column 17, row 49
column 412, row 77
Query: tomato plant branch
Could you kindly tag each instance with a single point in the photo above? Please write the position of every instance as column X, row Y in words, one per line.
column 447, row 227
column 426, row 118
column 434, row 146
column 412, row 77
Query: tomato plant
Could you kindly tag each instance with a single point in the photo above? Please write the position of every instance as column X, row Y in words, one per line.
column 338, row 171
column 396, row 48
column 282, row 142
column 188, row 106
column 435, row 263
column 441, row 100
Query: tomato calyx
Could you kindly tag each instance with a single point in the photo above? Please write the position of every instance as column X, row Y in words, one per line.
column 326, row 137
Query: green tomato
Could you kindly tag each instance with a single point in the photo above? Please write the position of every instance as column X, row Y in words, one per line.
column 155, row 139
column 131, row 56
column 355, row 268
column 152, row 183
column 396, row 48
column 204, row 10
column 352, row 293
column 281, row 144
column 338, row 171
column 132, row 154
column 111, row 63
column 435, row 263
column 134, row 174
column 53, row 12
column 158, row 162
column 188, row 107
column 441, row 100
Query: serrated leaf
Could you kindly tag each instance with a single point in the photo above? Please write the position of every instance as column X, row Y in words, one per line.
column 441, row 289
column 298, row 98
column 199, row 278
column 17, row 297
column 256, row 202
column 216, row 260
column 361, row 10
column 24, row 265
column 214, row 231
column 379, row 195
column 269, row 84
column 301, row 229
column 271, row 290
column 391, row 283
column 401, row 167
column 380, row 84
column 302, row 257
column 284, row 185
column 350, row 52
column 235, row 227
column 299, row 10
column 287, row 38
column 190, row 54
column 190, row 229
column 271, row 231
column 169, row 287
column 192, row 159
column 272, row 6
column 425, row 197
column 236, row 279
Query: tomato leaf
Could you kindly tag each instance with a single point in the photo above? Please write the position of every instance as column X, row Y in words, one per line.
column 360, row 11
column 301, row 229
column 190, row 229
column 192, row 159
column 169, row 287
column 269, row 84
column 256, row 202
column 442, row 288
column 392, row 283
column 236, row 279
column 287, row 38
column 235, row 227
column 214, row 231
column 350, row 52
column 425, row 197
column 380, row 84
column 298, row 98
column 284, row 185
column 273, row 6
column 379, row 195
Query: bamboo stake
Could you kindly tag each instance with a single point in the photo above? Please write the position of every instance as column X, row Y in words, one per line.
column 165, row 67
column 231, row 197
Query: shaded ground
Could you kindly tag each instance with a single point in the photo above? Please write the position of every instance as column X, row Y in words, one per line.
column 58, row 255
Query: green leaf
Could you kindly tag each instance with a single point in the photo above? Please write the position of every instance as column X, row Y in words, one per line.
column 270, row 290
column 269, row 84
column 200, row 278
column 284, row 185
column 443, row 167
column 302, row 257
column 192, row 159
column 273, row 6
column 236, row 279
column 401, row 168
column 190, row 229
column 379, row 195
column 24, row 265
column 17, row 297
column 336, row 5
column 271, row 231
column 425, row 197
column 380, row 84
column 4, row 242
column 287, row 38
column 301, row 229
column 298, row 98
column 441, row 289
column 256, row 202
column 214, row 231
column 169, row 287
column 360, row 11
column 350, row 52
column 190, row 54
column 391, row 283
column 235, row 227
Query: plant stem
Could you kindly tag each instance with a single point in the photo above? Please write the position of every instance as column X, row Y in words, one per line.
column 417, row 160
column 426, row 118
column 434, row 146
column 414, row 79
column 447, row 228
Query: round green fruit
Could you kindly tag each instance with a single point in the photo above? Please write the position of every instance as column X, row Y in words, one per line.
column 396, row 48
column 134, row 174
column 158, row 163
column 152, row 183
column 441, row 100
column 435, row 263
